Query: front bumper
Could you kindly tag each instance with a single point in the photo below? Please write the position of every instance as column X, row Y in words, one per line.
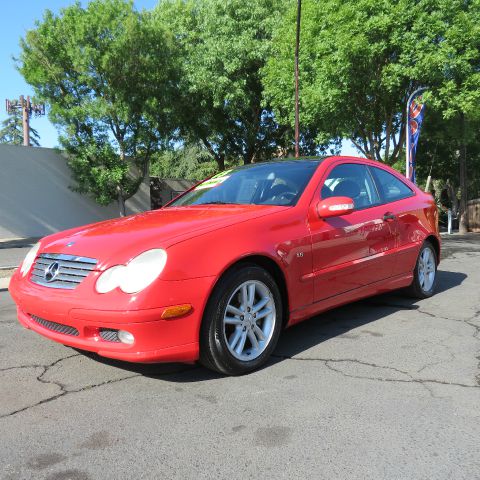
column 156, row 340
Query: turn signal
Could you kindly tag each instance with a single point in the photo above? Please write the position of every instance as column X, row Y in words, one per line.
column 176, row 311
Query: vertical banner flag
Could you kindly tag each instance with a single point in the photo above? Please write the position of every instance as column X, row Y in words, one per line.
column 416, row 111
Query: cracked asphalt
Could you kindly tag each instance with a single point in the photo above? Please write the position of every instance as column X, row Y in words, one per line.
column 386, row 388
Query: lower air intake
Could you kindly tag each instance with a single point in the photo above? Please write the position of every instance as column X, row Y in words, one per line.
column 109, row 335
column 56, row 327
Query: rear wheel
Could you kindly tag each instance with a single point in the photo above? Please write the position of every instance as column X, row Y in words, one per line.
column 425, row 273
column 242, row 321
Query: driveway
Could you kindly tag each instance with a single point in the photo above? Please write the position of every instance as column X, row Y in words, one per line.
column 386, row 388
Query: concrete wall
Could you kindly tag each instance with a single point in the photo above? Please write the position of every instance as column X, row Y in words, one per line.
column 35, row 198
column 162, row 190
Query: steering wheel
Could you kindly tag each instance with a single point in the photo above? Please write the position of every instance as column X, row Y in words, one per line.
column 284, row 197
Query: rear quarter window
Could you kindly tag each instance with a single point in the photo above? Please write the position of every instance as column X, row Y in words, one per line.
column 390, row 187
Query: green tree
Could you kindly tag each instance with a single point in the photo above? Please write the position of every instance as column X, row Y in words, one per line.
column 107, row 75
column 453, row 71
column 12, row 130
column 361, row 59
column 438, row 153
column 190, row 161
column 222, row 47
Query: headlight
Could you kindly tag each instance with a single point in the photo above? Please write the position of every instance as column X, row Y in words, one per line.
column 138, row 274
column 110, row 279
column 29, row 259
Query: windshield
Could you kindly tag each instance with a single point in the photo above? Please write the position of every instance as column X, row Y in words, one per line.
column 276, row 183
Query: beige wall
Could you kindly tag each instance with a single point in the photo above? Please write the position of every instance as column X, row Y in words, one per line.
column 35, row 198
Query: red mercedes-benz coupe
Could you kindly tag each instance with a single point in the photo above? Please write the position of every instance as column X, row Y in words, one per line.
column 216, row 274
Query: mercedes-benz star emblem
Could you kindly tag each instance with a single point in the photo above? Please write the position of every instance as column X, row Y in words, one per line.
column 51, row 272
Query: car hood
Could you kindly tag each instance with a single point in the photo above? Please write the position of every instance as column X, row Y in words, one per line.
column 117, row 240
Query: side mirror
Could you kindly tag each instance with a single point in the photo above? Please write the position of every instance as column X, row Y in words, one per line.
column 335, row 207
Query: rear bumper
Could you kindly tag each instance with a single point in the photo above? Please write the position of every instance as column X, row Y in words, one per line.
column 156, row 340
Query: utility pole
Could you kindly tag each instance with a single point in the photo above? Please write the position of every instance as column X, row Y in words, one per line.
column 297, row 113
column 28, row 109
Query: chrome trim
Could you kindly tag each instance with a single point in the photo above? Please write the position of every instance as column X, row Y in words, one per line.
column 70, row 258
column 73, row 269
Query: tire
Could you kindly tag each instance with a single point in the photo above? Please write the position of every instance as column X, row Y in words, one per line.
column 233, row 339
column 425, row 273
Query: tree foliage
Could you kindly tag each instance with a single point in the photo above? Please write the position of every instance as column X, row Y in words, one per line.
column 222, row 48
column 12, row 130
column 106, row 74
column 439, row 152
column 191, row 161
column 196, row 85
column 360, row 60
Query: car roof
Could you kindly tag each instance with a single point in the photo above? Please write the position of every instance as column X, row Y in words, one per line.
column 305, row 159
column 283, row 161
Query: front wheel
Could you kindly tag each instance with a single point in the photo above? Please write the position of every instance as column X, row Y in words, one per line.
column 425, row 273
column 242, row 321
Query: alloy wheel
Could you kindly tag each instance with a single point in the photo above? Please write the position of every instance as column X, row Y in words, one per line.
column 426, row 269
column 249, row 320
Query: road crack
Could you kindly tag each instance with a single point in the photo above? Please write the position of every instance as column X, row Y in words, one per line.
column 331, row 362
column 38, row 365
column 64, row 391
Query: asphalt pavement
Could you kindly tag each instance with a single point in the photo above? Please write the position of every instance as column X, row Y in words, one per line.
column 386, row 388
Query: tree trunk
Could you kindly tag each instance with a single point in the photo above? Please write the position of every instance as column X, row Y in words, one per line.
column 121, row 201
column 219, row 158
column 220, row 162
column 463, row 219
column 249, row 156
column 452, row 196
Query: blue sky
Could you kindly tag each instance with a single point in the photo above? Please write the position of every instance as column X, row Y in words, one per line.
column 18, row 17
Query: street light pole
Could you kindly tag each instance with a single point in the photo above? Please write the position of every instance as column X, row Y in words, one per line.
column 297, row 114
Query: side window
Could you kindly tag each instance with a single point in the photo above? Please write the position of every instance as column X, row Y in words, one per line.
column 351, row 180
column 390, row 187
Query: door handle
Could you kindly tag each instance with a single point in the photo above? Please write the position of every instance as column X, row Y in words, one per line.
column 389, row 217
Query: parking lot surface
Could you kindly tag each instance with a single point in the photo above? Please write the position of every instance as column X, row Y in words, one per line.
column 386, row 388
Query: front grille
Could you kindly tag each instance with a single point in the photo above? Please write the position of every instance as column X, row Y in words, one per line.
column 109, row 335
column 56, row 327
column 69, row 271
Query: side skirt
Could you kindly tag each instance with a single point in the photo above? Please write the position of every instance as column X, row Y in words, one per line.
column 377, row 288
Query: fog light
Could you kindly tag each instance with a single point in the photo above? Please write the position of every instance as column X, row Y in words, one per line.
column 125, row 337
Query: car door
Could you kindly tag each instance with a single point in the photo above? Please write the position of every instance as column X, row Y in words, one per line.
column 399, row 202
column 349, row 251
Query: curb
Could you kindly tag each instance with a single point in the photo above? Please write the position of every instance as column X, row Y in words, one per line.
column 4, row 282
column 18, row 242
